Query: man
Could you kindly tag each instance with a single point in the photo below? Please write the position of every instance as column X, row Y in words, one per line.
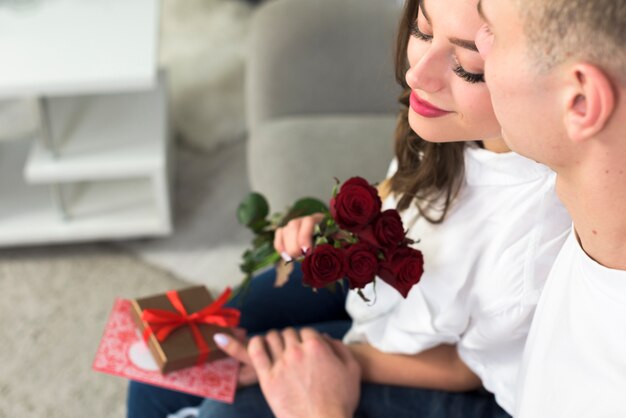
column 557, row 73
column 556, row 70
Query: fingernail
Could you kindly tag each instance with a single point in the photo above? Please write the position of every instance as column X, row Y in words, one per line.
column 285, row 256
column 304, row 250
column 220, row 339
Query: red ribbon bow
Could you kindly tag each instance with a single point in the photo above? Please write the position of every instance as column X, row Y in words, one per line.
column 162, row 323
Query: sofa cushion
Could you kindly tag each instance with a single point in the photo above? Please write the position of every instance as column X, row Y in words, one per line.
column 321, row 57
column 294, row 157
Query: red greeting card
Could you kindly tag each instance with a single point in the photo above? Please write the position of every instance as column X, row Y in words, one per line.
column 122, row 352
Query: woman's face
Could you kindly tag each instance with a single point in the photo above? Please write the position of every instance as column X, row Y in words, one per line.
column 449, row 99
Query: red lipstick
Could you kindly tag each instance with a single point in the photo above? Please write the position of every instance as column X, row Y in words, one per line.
column 423, row 108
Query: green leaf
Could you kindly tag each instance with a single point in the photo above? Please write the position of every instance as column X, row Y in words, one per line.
column 252, row 210
column 259, row 257
column 336, row 187
column 259, row 226
column 304, row 207
column 263, row 238
column 321, row 240
column 262, row 252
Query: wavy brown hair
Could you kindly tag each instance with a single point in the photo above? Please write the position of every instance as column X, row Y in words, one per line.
column 429, row 174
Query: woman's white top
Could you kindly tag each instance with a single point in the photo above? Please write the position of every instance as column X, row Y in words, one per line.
column 575, row 359
column 484, row 269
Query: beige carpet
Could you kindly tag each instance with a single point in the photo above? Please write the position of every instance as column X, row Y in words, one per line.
column 54, row 304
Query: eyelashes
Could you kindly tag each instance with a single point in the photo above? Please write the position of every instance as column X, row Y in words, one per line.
column 471, row 78
column 419, row 34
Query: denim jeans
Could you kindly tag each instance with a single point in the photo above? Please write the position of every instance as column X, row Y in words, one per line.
column 263, row 307
column 377, row 401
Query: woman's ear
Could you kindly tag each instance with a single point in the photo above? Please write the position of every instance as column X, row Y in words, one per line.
column 590, row 102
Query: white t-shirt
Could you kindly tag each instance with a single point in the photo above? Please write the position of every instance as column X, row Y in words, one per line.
column 575, row 359
column 484, row 268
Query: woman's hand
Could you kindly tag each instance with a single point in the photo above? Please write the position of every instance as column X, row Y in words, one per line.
column 291, row 240
column 236, row 348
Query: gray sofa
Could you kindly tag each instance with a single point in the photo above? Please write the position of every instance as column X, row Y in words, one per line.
column 320, row 94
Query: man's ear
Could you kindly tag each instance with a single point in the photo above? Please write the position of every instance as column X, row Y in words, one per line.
column 590, row 101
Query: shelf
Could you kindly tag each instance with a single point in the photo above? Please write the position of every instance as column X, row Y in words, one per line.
column 98, row 210
column 92, row 64
column 76, row 46
column 103, row 137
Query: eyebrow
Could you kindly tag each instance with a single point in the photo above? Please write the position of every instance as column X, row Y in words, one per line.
column 463, row 43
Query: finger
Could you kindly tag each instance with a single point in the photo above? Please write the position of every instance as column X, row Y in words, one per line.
column 313, row 340
column 247, row 375
column 341, row 350
column 240, row 334
column 290, row 238
column 275, row 343
column 260, row 358
column 345, row 354
column 291, row 337
column 308, row 334
column 305, row 233
column 279, row 245
column 232, row 347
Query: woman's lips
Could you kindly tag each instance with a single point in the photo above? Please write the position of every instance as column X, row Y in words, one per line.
column 424, row 108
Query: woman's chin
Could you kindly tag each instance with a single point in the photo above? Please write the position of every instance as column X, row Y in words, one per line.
column 437, row 133
column 429, row 130
column 430, row 136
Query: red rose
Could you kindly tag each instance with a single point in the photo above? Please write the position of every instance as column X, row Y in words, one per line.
column 402, row 269
column 361, row 264
column 322, row 265
column 388, row 229
column 356, row 205
column 386, row 232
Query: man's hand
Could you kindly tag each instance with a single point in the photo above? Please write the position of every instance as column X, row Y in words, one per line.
column 303, row 374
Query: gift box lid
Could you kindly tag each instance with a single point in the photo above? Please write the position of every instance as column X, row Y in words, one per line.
column 179, row 349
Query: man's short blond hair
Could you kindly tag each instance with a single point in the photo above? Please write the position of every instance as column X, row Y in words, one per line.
column 591, row 30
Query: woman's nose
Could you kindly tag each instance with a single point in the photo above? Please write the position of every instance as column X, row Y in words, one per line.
column 427, row 73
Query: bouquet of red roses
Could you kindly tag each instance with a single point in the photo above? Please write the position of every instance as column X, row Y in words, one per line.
column 356, row 240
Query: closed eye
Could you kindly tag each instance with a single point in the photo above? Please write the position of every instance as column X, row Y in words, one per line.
column 471, row 78
column 416, row 32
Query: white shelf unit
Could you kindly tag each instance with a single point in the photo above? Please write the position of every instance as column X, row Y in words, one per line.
column 100, row 168
column 62, row 47
column 112, row 169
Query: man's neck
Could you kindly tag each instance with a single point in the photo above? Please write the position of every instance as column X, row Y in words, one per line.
column 595, row 196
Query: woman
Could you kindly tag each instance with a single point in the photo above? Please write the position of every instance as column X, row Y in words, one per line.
column 489, row 225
